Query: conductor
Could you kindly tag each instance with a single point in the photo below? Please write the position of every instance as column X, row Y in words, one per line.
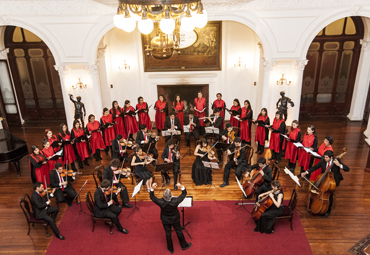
column 170, row 215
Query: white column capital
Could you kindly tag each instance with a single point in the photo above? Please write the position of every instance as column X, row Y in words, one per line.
column 4, row 53
column 102, row 51
column 268, row 64
column 301, row 64
column 365, row 45
column 62, row 70
column 93, row 69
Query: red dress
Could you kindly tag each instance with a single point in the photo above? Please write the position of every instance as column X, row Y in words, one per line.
column 261, row 130
column 41, row 170
column 160, row 117
column 68, row 152
column 81, row 146
column 234, row 122
column 51, row 140
column 144, row 116
column 305, row 157
column 119, row 128
column 48, row 153
column 131, row 122
column 96, row 140
column 200, row 104
column 109, row 134
column 321, row 152
column 245, row 131
column 292, row 150
column 180, row 108
column 275, row 137
column 220, row 103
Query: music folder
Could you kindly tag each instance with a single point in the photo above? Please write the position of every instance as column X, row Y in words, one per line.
column 212, row 130
column 213, row 165
column 187, row 202
column 55, row 144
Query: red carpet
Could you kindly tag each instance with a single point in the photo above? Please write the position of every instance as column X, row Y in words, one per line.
column 215, row 228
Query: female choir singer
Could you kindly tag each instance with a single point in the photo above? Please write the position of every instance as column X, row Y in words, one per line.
column 143, row 113
column 48, row 153
column 130, row 119
column 161, row 109
column 310, row 141
column 199, row 110
column 178, row 105
column 117, row 115
column 262, row 132
column 245, row 122
column 68, row 152
column 201, row 174
column 276, row 140
column 140, row 162
column 51, row 138
column 108, row 133
column 81, row 145
column 96, row 139
column 236, row 107
column 291, row 151
column 38, row 166
column 325, row 146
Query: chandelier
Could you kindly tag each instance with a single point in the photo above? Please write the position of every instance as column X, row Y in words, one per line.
column 167, row 18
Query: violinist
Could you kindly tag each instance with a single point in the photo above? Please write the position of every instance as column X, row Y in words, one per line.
column 216, row 121
column 219, row 105
column 193, row 122
column 326, row 161
column 199, row 110
column 201, row 174
column 108, row 132
column 69, row 155
column 105, row 208
column 262, row 132
column 172, row 123
column 227, row 136
column 140, row 161
column 169, row 155
column 266, row 222
column 38, row 165
column 291, row 151
column 42, row 209
column 143, row 138
column 96, row 139
column 111, row 172
column 117, row 114
column 142, row 108
column 161, row 110
column 276, row 140
column 60, row 180
column 238, row 160
column 118, row 150
column 266, row 173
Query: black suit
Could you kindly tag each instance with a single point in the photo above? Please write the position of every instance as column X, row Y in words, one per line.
column 108, row 174
column 44, row 212
column 167, row 126
column 103, row 210
column 175, row 160
column 195, row 132
column 141, row 141
column 240, row 167
column 55, row 182
column 220, row 151
column 170, row 216
column 116, row 151
column 216, row 124
column 267, row 176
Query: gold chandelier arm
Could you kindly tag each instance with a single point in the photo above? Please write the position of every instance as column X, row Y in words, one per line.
column 193, row 9
column 155, row 12
column 137, row 11
column 179, row 11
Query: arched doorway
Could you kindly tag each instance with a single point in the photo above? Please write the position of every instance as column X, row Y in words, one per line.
column 330, row 74
column 36, row 81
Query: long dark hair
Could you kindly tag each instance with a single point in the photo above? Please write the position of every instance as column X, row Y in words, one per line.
column 203, row 141
column 177, row 95
column 61, row 130
column 263, row 109
column 90, row 116
column 126, row 102
column 114, row 110
column 161, row 95
column 138, row 99
column 249, row 105
column 237, row 101
column 74, row 124
column 312, row 127
column 280, row 114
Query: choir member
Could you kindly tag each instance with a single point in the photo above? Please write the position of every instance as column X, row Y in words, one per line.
column 139, row 162
column 291, row 151
column 108, row 134
column 178, row 106
column 169, row 155
column 199, row 110
column 262, row 132
column 172, row 123
column 96, row 139
column 48, row 153
column 80, row 144
column 235, row 111
column 130, row 120
column 51, row 138
column 325, row 146
column 117, row 115
column 63, row 185
column 199, row 173
column 69, row 156
column 161, row 109
column 194, row 127
column 216, row 121
column 265, row 224
column 276, row 140
column 118, row 151
column 309, row 141
column 246, row 123
column 143, row 138
column 220, row 105
column 143, row 114
column 38, row 166
column 266, row 173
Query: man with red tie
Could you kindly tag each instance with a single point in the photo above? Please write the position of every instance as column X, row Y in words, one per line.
column 220, row 105
column 193, row 123
column 63, row 185
column 142, row 138
column 119, row 151
column 199, row 110
column 169, row 156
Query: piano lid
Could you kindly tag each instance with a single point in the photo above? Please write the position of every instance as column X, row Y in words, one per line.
column 12, row 148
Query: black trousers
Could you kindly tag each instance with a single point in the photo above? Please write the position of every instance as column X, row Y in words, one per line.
column 177, row 137
column 175, row 173
column 276, row 155
column 238, row 171
column 59, row 195
column 49, row 215
column 180, row 235
column 188, row 135
column 123, row 193
column 331, row 198
column 260, row 148
column 112, row 213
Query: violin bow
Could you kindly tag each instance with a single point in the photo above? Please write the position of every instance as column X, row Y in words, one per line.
column 46, row 185
column 240, row 148
column 127, row 140
column 211, row 148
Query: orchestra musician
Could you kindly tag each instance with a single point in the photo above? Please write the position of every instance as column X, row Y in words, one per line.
column 201, row 174
column 235, row 111
column 266, row 173
column 237, row 159
column 96, row 139
column 69, row 155
column 220, row 105
column 140, row 161
column 193, row 122
column 143, row 113
column 130, row 120
column 80, row 145
column 108, row 134
column 276, row 140
column 199, row 110
column 310, row 141
column 172, row 123
column 291, row 151
column 246, row 123
column 326, row 161
column 216, row 121
column 161, row 110
column 38, row 165
column 117, row 115
column 169, row 155
column 262, row 131
column 143, row 138
column 178, row 106
column 227, row 136
column 105, row 208
column 111, row 172
column 63, row 185
column 42, row 209
column 325, row 146
column 118, row 151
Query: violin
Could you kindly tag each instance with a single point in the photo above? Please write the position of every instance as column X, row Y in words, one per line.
column 49, row 190
column 68, row 173
column 237, row 152
column 128, row 144
column 231, row 136
column 263, row 204
column 177, row 153
column 108, row 192
column 210, row 151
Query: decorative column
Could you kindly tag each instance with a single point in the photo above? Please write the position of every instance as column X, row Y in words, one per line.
column 103, row 76
column 96, row 91
column 265, row 99
column 299, row 67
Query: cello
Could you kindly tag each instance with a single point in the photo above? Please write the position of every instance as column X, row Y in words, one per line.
column 263, row 204
column 251, row 185
column 320, row 191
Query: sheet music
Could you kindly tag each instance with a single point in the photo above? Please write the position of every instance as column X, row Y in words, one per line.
column 284, row 136
column 137, row 188
column 240, row 186
column 213, row 165
column 187, row 202
column 186, row 128
column 298, row 145
column 58, row 153
column 237, row 118
column 295, row 178
column 212, row 130
column 88, row 136
column 315, row 154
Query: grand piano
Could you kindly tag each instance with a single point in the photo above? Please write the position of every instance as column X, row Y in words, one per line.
column 12, row 149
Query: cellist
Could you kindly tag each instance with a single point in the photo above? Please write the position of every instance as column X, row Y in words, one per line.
column 266, row 173
column 325, row 162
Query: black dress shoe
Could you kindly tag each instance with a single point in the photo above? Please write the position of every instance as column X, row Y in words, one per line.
column 270, row 158
column 126, row 205
column 260, row 153
column 224, row 184
column 170, row 251
column 60, row 237
column 106, row 223
column 175, row 188
column 124, row 231
column 187, row 247
column 86, row 162
column 168, row 181
column 81, row 166
column 326, row 215
column 69, row 204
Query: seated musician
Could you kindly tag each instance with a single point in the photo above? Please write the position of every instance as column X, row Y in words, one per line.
column 119, row 151
column 169, row 155
column 238, row 159
column 140, row 161
column 42, row 209
column 199, row 173
column 226, row 137
column 63, row 185
column 193, row 123
column 143, row 138
column 104, row 206
column 266, row 173
column 216, row 121
column 111, row 172
column 265, row 224
column 326, row 161
column 172, row 123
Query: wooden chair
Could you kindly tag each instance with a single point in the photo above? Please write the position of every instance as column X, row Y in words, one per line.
column 275, row 171
column 289, row 210
column 90, row 205
column 97, row 173
column 26, row 205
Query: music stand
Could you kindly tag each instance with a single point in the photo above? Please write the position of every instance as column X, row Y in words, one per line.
column 242, row 197
column 213, row 131
column 78, row 193
column 187, row 130
column 212, row 165
column 187, row 202
column 136, row 190
column 164, row 167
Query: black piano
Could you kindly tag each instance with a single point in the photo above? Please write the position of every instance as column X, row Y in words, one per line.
column 12, row 149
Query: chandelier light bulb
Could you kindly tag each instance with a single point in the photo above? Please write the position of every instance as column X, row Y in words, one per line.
column 118, row 20
column 128, row 24
column 145, row 26
column 187, row 24
column 200, row 20
column 167, row 25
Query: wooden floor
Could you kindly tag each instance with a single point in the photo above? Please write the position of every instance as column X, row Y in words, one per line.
column 348, row 223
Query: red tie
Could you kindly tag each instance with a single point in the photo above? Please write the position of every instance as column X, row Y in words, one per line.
column 191, row 126
column 41, row 196
column 105, row 197
column 144, row 136
column 61, row 180
column 327, row 166
column 170, row 155
column 115, row 178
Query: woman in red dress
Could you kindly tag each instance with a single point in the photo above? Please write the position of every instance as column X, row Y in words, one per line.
column 220, row 104
column 325, row 146
column 199, row 110
column 119, row 127
column 262, row 132
column 69, row 155
column 51, row 138
column 235, row 111
column 161, row 109
column 276, row 140
column 130, row 120
column 310, row 141
column 80, row 144
column 38, row 166
column 96, row 140
column 108, row 133
column 143, row 113
column 179, row 109
column 245, row 122
column 48, row 153
column 291, row 151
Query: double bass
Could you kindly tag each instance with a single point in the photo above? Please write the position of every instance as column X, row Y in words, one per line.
column 251, row 185
column 320, row 191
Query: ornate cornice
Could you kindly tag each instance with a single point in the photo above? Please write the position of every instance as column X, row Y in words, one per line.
column 301, row 64
column 62, row 70
column 268, row 64
column 4, row 20
column 93, row 69
column 102, row 51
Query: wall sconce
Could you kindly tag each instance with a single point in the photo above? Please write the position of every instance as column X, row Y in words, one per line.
column 79, row 84
column 240, row 63
column 283, row 81
column 124, row 66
